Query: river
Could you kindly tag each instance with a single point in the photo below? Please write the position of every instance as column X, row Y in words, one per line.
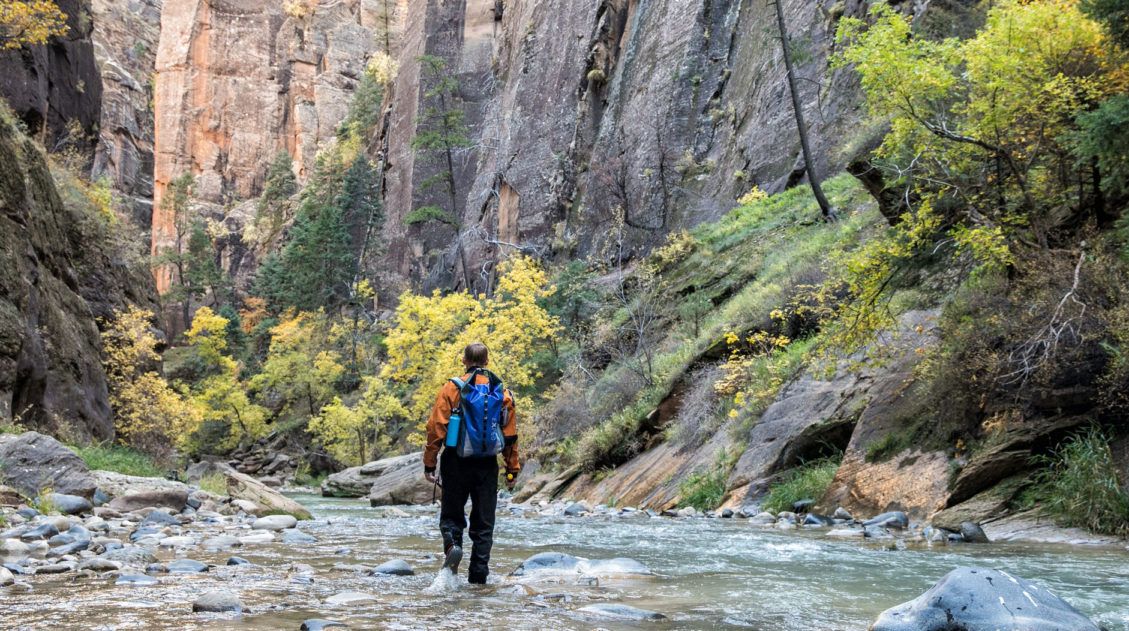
column 708, row 574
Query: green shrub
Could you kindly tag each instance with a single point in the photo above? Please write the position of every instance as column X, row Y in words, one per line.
column 887, row 446
column 1079, row 487
column 44, row 503
column 118, row 459
column 704, row 490
column 807, row 482
column 214, row 483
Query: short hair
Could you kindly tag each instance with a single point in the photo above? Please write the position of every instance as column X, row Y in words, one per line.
column 476, row 354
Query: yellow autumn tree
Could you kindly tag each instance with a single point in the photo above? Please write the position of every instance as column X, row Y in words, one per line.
column 29, row 22
column 302, row 366
column 352, row 434
column 148, row 412
column 220, row 398
column 425, row 345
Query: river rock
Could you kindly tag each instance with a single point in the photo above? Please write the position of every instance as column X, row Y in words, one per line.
column 274, row 522
column 69, row 548
column 821, row 521
column 803, row 506
column 175, row 499
column 847, row 533
column 130, row 555
column 42, row 531
column 547, row 562
column 70, row 504
column 262, row 536
column 238, row 561
column 243, row 487
column 159, row 517
column 893, row 519
column 763, row 518
column 842, row 513
column 6, row 577
column 246, row 506
column 119, row 484
column 218, row 601
column 55, row 568
column 31, row 462
column 137, row 580
column 186, row 566
column 621, row 612
column 181, row 541
column 293, row 537
column 980, row 598
column 319, row 624
column 221, row 542
column 396, row 567
column 973, row 533
column 576, row 509
column 349, row 598
column 99, row 564
column 14, row 548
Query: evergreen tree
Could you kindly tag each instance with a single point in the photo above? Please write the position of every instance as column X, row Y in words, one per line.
column 203, row 275
column 274, row 204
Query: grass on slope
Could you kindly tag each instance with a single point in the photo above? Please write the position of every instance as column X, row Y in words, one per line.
column 118, row 459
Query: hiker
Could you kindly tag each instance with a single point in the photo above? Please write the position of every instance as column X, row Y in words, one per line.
column 473, row 421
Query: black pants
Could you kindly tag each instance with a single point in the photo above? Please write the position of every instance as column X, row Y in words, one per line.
column 477, row 479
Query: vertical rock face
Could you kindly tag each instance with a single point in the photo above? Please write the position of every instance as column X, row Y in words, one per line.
column 58, row 276
column 125, row 44
column 53, row 86
column 585, row 115
column 238, row 80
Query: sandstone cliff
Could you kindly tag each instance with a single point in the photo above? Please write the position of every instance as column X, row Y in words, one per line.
column 666, row 111
column 237, row 81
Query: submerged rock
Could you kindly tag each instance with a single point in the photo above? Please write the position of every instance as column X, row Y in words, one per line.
column 547, row 562
column 893, row 519
column 186, row 566
column 622, row 612
column 349, row 598
column 275, row 522
column 138, row 580
column 218, row 601
column 979, row 598
column 395, row 567
column 294, row 536
column 318, row 624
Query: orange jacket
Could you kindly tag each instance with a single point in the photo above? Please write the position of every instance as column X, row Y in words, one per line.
column 447, row 401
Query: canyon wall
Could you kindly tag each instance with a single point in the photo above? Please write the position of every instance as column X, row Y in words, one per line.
column 587, row 116
column 238, row 81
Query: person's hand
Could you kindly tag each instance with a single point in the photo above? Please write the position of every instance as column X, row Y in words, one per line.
column 431, row 476
column 511, row 481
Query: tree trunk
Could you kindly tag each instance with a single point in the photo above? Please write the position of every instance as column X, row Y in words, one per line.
column 809, row 164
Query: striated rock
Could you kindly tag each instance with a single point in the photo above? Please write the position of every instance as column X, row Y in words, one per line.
column 401, row 482
column 978, row 598
column 118, row 484
column 268, row 501
column 31, row 462
column 62, row 271
column 973, row 533
column 274, row 522
column 10, row 496
column 358, row 481
column 125, row 45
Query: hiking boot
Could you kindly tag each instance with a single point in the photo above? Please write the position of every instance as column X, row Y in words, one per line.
column 454, row 557
column 476, row 579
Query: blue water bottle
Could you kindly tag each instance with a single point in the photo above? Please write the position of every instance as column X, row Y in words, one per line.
column 453, row 430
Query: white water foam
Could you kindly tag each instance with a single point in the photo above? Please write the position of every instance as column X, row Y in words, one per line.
column 445, row 583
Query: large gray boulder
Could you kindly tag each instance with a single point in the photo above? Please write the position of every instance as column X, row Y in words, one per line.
column 359, row 481
column 31, row 462
column 979, row 598
column 241, row 486
column 130, row 492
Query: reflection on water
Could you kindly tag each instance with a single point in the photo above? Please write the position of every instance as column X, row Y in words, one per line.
column 709, row 574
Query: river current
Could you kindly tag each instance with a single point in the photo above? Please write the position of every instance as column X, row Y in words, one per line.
column 707, row 574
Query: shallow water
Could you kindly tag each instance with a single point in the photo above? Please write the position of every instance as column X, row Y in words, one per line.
column 709, row 574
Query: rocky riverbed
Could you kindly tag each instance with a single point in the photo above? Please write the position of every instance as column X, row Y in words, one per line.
column 558, row 565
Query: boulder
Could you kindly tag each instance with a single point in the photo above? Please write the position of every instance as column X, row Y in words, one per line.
column 117, row 484
column 973, row 533
column 397, row 480
column 186, row 566
column 554, row 562
column 31, row 462
column 218, row 601
column 980, row 598
column 270, row 502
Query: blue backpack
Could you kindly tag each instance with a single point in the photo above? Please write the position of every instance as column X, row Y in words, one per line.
column 475, row 427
